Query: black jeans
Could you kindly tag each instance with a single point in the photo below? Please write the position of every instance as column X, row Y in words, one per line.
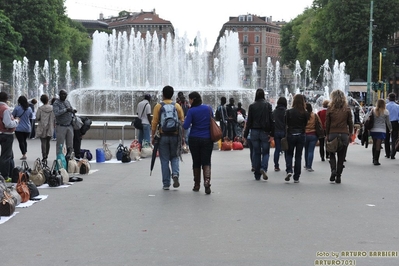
column 23, row 144
column 390, row 150
column 77, row 141
column 45, row 145
column 6, row 156
column 201, row 151
column 337, row 164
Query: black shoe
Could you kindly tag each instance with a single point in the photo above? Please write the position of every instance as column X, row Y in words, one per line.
column 393, row 157
column 332, row 177
column 322, row 159
column 338, row 179
column 176, row 183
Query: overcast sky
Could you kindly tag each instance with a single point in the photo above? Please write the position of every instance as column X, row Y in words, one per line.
column 190, row 17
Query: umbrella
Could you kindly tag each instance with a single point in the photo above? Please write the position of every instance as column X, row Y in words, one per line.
column 154, row 150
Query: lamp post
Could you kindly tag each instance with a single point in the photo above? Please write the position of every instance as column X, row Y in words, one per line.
column 369, row 63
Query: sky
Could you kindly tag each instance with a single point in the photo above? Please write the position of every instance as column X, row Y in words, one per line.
column 204, row 16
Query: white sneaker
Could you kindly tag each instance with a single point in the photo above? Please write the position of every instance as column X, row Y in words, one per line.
column 288, row 177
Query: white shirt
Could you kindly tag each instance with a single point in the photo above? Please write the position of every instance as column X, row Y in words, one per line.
column 141, row 114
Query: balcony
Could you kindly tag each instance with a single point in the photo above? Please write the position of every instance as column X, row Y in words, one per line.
column 245, row 43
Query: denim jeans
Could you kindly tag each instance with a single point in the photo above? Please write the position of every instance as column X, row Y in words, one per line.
column 261, row 151
column 310, row 145
column 168, row 153
column 251, row 152
column 144, row 134
column 295, row 142
column 278, row 135
column 201, row 151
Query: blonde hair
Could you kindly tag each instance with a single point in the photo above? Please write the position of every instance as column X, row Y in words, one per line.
column 338, row 100
column 379, row 107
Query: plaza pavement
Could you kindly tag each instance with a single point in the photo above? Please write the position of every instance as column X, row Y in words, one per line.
column 119, row 215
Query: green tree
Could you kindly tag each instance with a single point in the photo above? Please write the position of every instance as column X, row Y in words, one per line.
column 9, row 46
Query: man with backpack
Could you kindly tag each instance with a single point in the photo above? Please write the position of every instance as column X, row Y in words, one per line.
column 167, row 118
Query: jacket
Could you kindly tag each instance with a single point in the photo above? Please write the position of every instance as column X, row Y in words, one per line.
column 45, row 118
column 339, row 121
column 279, row 118
column 296, row 121
column 7, row 122
column 260, row 116
column 24, row 118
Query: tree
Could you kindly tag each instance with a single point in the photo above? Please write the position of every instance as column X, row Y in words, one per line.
column 9, row 46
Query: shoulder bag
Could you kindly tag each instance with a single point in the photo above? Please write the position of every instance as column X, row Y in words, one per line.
column 84, row 166
column 216, row 131
column 138, row 123
column 37, row 175
column 126, row 155
column 55, row 178
column 319, row 128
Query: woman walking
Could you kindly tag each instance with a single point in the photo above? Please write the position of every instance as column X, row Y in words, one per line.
column 22, row 132
column 45, row 127
column 311, row 137
column 279, row 129
column 297, row 117
column 200, row 143
column 379, row 129
column 339, row 124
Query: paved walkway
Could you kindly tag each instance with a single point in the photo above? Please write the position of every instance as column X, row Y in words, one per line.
column 119, row 215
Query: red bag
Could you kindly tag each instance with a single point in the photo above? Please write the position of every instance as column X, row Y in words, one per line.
column 135, row 144
column 227, row 144
column 237, row 144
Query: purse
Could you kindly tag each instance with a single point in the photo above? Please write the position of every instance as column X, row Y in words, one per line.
column 126, row 155
column 86, row 154
column 15, row 195
column 33, row 191
column 319, row 128
column 227, row 144
column 216, row 131
column 237, row 144
column 24, row 168
column 284, row 144
column 84, row 167
column 119, row 151
column 334, row 145
column 7, row 204
column 146, row 150
column 107, row 152
column 63, row 172
column 55, row 178
column 22, row 187
column 72, row 164
column 36, row 175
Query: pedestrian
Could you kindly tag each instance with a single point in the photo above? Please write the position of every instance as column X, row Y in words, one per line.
column 296, row 119
column 200, row 143
column 241, row 116
column 221, row 116
column 170, row 142
column 63, row 112
column 32, row 104
column 185, row 105
column 322, row 145
column 381, row 125
column 7, row 128
column 393, row 109
column 231, row 119
column 279, row 130
column 22, row 132
column 339, row 124
column 45, row 127
column 144, row 113
column 260, row 122
column 54, row 135
column 311, row 137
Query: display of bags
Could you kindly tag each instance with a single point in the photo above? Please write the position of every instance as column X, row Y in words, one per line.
column 36, row 175
column 216, row 131
column 22, row 187
column 72, row 164
column 55, row 178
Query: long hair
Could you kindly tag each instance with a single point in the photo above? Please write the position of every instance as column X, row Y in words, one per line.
column 23, row 102
column 338, row 100
column 299, row 103
column 196, row 97
column 282, row 101
column 260, row 94
column 380, row 107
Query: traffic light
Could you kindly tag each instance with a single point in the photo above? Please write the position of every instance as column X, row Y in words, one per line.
column 374, row 86
column 384, row 52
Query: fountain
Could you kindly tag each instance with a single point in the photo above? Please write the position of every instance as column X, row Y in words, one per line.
column 125, row 67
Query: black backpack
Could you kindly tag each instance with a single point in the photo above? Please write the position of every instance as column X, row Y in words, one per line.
column 86, row 125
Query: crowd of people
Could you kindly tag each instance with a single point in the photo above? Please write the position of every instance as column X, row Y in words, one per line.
column 52, row 120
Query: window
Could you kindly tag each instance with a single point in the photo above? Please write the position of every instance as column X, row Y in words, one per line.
column 241, row 18
column 257, row 61
column 256, row 50
column 245, row 38
column 245, row 28
column 257, row 39
column 249, row 18
column 245, row 61
column 245, row 50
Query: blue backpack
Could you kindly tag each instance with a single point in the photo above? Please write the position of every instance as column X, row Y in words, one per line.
column 169, row 121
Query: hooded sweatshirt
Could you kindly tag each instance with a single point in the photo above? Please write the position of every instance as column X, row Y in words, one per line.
column 45, row 118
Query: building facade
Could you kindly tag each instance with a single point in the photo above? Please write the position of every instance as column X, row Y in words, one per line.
column 259, row 39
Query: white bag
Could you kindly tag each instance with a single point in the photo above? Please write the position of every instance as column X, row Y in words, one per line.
column 63, row 172
column 146, row 150
column 135, row 153
column 72, row 164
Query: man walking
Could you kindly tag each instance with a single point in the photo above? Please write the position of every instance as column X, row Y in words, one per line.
column 393, row 109
column 221, row 115
column 7, row 128
column 63, row 112
column 168, row 116
column 144, row 113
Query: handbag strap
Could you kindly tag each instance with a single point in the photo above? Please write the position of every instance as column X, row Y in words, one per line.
column 143, row 110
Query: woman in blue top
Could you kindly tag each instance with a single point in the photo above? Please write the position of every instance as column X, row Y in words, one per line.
column 22, row 132
column 200, row 143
